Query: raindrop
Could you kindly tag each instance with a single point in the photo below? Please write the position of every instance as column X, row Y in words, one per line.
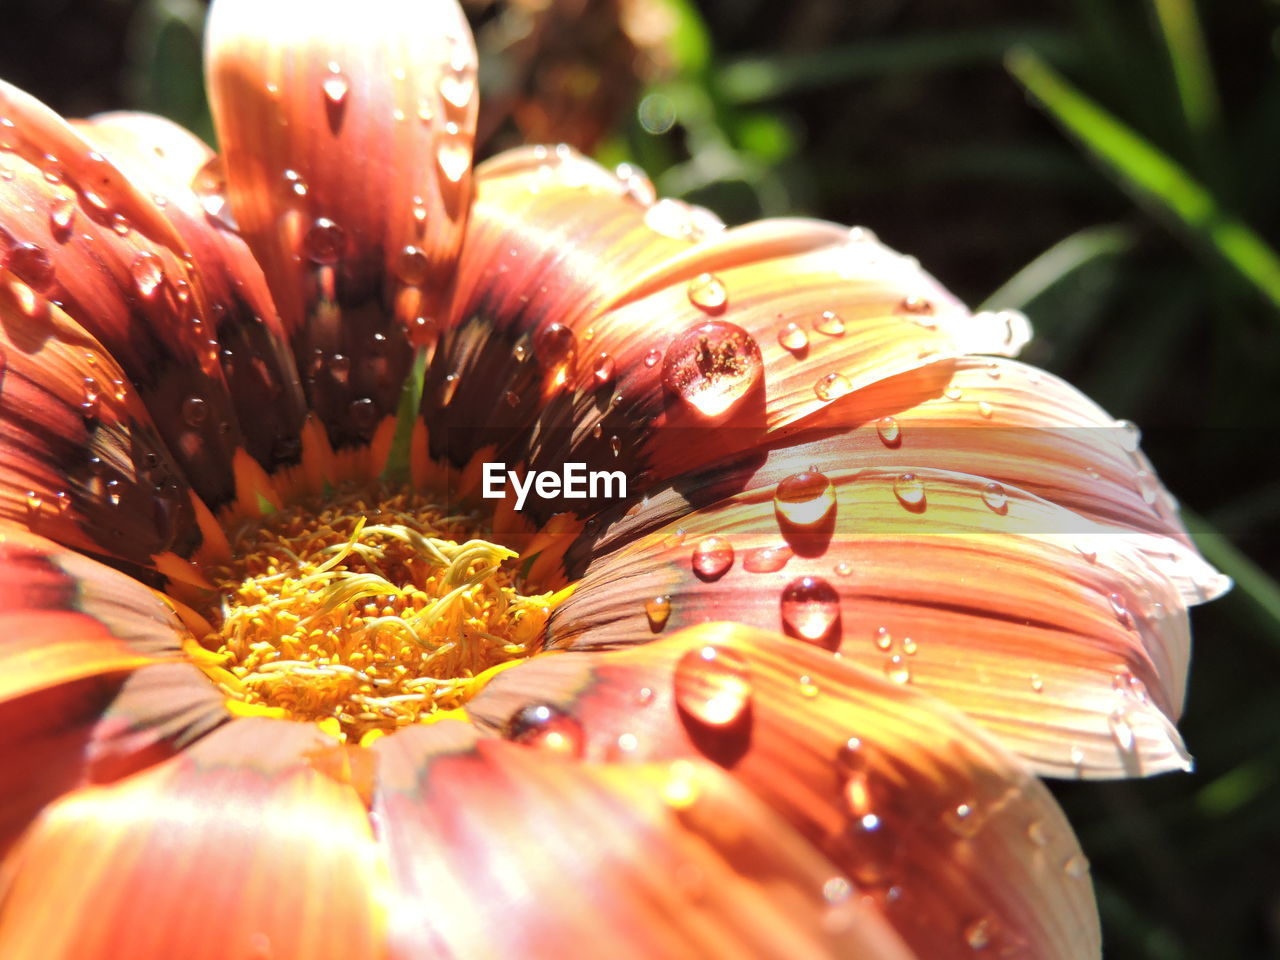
column 335, row 90
column 832, row 387
column 1037, row 684
column 91, row 398
column 652, row 357
column 604, row 370
column 792, row 337
column 294, row 185
column 323, row 242
column 195, row 411
column 1120, row 609
column 808, row 689
column 889, row 432
column 712, row 558
column 1122, row 730
column 32, row 265
column 985, row 410
column 706, row 292
column 962, row 819
column 458, row 87
column 810, row 610
column 837, row 890
column 978, row 935
column 766, row 559
column 448, row 389
column 210, row 188
column 636, row 185
column 843, row 569
column 364, row 414
column 62, row 215
column 615, row 445
column 916, row 305
column 148, row 273
column 713, row 685
column 1036, row 833
column 830, row 323
column 556, row 348
column 411, row 265
column 1130, row 435
column 658, row 610
column 1076, row 866
column 511, row 398
column 909, row 646
column 340, row 367
column 897, row 669
column 547, row 728
column 454, row 159
column 953, row 393
column 909, row 489
column 35, row 503
column 994, row 496
column 804, row 499
column 883, row 638
column 712, row 367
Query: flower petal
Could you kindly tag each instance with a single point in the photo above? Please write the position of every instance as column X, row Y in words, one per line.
column 1057, row 634
column 165, row 159
column 500, row 850
column 957, row 844
column 75, row 232
column 347, row 158
column 245, row 845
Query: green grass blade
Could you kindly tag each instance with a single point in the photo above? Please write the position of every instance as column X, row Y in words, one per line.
column 1250, row 579
column 1184, row 41
column 1061, row 260
column 1157, row 181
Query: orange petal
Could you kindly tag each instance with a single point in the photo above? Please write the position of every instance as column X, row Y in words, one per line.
column 1055, row 633
column 499, row 850
column 957, row 845
column 80, row 461
column 165, row 159
column 347, row 158
column 75, row 232
column 242, row 846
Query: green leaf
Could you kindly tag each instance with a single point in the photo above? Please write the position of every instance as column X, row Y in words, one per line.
column 1058, row 262
column 1251, row 581
column 397, row 469
column 1156, row 181
column 1189, row 57
column 165, row 73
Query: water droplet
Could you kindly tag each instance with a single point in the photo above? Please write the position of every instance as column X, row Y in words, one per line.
column 883, row 638
column 604, row 370
column 713, row 685
column 712, row 558
column 335, row 90
column 652, row 357
column 1036, row 833
column 909, row 646
column 636, row 184
column 1122, row 730
column 1076, row 866
column 985, row 410
column 454, row 159
column 547, row 728
column 1037, row 684
column 706, row 292
column 994, row 496
column 62, row 215
column 889, row 432
column 792, row 337
column 1120, row 609
column 32, row 265
column 90, row 399
column 658, row 610
column 909, row 489
column 195, row 411
column 810, row 610
column 294, row 185
column 962, row 819
column 897, row 669
column 364, row 414
column 324, row 242
column 615, row 445
column 766, row 559
column 448, row 388
column 1130, row 435
column 556, row 349
column 832, row 387
column 804, row 499
column 412, row 266
column 843, row 569
column 35, row 503
column 712, row 367
column 830, row 323
column 340, row 367
column 978, row 935
column 837, row 890
column 916, row 305
column 148, row 273
column 511, row 398
column 210, row 188
column 458, row 87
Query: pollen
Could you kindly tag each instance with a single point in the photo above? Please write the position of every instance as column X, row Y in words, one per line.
column 365, row 614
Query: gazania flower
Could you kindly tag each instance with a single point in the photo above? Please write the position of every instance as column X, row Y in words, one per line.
column 278, row 678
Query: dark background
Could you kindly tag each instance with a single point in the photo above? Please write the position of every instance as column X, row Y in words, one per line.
column 905, row 117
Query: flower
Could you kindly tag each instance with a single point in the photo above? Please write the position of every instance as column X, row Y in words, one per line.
column 278, row 681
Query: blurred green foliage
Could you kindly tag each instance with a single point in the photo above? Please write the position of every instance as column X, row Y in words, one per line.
column 1108, row 167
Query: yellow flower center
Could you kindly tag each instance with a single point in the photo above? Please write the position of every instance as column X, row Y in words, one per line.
column 366, row 614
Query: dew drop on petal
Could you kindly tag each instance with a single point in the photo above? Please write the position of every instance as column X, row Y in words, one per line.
column 962, row 819
column 604, row 369
column 766, row 559
column 547, row 728
column 1120, row 608
column 658, row 610
column 712, row 557
column 1122, row 730
column 978, row 935
column 792, row 337
column 454, row 159
column 62, row 215
column 364, row 414
column 897, row 669
column 707, row 292
column 652, row 358
column 843, row 568
column 195, row 411
column 713, row 685
column 411, row 265
column 148, row 273
column 889, row 432
column 323, row 242
column 1076, row 866
column 830, row 323
column 994, row 496
column 883, row 638
column 909, row 489
column 1130, row 435
column 832, row 387
column 340, row 367
column 555, row 348
column 448, row 388
column 1037, row 684
column 32, row 265
column 837, row 890
column 335, row 90
column 916, row 305
column 712, row 367
column 985, row 410
column 804, row 499
column 810, row 610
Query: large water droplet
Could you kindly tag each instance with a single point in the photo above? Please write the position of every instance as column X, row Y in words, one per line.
column 324, row 242
column 889, row 432
column 804, row 499
column 792, row 337
column 909, row 489
column 995, row 497
column 556, row 348
column 547, row 728
column 195, row 411
column 830, row 323
column 62, row 215
column 810, row 610
column 713, row 685
column 32, row 265
column 832, row 387
column 148, row 273
column 706, row 292
column 604, row 370
column 411, row 265
column 766, row 559
column 454, row 158
column 712, row 558
column 897, row 669
column 711, row 367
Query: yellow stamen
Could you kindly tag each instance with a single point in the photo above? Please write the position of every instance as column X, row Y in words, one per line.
column 365, row 614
